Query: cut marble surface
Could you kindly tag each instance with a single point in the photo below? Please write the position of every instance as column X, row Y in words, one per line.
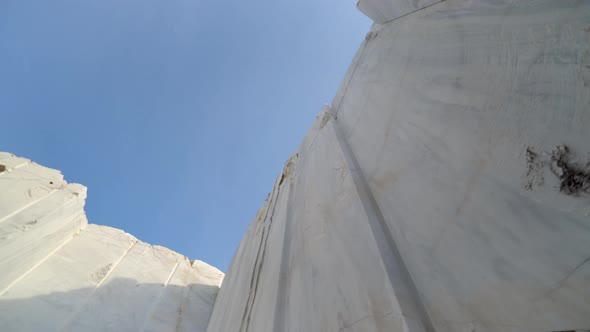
column 61, row 274
column 425, row 198
column 39, row 212
column 383, row 11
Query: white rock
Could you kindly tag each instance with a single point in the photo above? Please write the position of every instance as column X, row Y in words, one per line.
column 383, row 11
column 60, row 274
column 408, row 211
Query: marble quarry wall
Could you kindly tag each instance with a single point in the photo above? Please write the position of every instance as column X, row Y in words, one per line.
column 58, row 273
column 446, row 188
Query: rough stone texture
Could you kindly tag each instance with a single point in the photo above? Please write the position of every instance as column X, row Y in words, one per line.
column 415, row 203
column 61, row 274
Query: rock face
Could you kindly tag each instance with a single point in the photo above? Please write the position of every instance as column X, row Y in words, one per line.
column 384, row 11
column 61, row 274
column 429, row 196
column 447, row 188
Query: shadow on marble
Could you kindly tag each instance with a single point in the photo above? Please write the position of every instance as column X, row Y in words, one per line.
column 118, row 305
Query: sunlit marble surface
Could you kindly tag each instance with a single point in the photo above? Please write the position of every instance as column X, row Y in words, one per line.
column 61, row 274
column 424, row 198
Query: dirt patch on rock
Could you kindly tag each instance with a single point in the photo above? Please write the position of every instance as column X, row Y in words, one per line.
column 534, row 172
column 574, row 176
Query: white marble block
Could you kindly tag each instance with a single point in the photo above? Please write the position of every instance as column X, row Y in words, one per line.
column 446, row 188
column 60, row 274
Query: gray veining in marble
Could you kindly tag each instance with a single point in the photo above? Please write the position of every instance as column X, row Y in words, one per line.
column 426, row 197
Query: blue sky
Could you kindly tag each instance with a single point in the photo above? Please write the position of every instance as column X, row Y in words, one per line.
column 177, row 115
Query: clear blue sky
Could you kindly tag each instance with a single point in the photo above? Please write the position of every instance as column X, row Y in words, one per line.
column 176, row 114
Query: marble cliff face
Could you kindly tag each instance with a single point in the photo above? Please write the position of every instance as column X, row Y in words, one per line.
column 61, row 274
column 446, row 188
